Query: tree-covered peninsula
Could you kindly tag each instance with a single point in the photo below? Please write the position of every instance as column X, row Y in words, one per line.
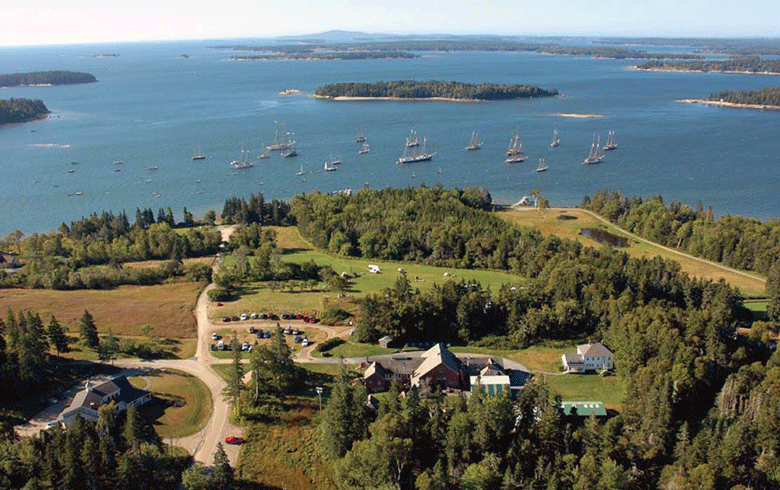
column 740, row 64
column 21, row 110
column 311, row 55
column 432, row 89
column 763, row 97
column 45, row 78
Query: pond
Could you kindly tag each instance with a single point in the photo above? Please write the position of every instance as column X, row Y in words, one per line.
column 603, row 236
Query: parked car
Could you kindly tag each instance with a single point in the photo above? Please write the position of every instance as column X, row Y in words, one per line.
column 253, row 316
column 212, row 347
column 305, row 342
column 221, row 345
column 234, row 318
column 51, row 424
column 295, row 331
column 234, row 440
column 263, row 316
column 297, row 340
column 259, row 334
column 267, row 334
column 284, row 316
column 214, row 336
column 251, row 329
column 225, row 318
column 286, row 330
column 245, row 346
column 244, row 316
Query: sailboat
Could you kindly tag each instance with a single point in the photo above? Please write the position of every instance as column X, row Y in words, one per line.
column 556, row 141
column 335, row 160
column 474, row 144
column 412, row 140
column 515, row 151
column 412, row 153
column 595, row 155
column 198, row 155
column 290, row 151
column 264, row 154
column 366, row 148
column 329, row 167
column 361, row 137
column 243, row 162
column 611, row 142
column 282, row 140
column 542, row 166
column 301, row 171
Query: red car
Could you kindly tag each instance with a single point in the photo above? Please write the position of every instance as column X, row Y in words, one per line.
column 234, row 440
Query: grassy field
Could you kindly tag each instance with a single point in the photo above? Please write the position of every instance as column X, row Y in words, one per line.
column 257, row 297
column 589, row 387
column 568, row 224
column 181, row 404
column 354, row 349
column 167, row 308
column 757, row 308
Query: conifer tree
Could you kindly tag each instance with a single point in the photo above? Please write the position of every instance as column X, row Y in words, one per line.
column 57, row 337
column 223, row 473
column 88, row 330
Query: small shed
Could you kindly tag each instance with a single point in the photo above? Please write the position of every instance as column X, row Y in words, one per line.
column 388, row 342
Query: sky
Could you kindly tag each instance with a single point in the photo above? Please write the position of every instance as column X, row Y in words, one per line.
column 101, row 21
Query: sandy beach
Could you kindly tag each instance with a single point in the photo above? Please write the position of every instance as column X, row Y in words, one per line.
column 721, row 103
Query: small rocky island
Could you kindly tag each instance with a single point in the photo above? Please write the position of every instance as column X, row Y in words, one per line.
column 21, row 110
column 430, row 90
column 45, row 78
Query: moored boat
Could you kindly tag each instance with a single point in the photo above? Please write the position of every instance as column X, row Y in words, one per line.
column 474, row 144
column 412, row 154
column 542, row 166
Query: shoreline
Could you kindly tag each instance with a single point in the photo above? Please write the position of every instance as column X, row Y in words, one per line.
column 341, row 98
column 578, row 116
column 735, row 105
column 731, row 72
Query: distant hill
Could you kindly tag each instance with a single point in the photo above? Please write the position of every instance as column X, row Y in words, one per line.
column 21, row 110
column 45, row 78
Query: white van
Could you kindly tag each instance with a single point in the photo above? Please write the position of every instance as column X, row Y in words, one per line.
column 221, row 345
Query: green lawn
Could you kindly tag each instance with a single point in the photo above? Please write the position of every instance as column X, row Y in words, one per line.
column 589, row 387
column 354, row 349
column 757, row 308
column 182, row 403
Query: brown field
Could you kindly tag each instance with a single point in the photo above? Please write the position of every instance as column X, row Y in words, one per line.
column 550, row 223
column 158, row 263
column 167, row 308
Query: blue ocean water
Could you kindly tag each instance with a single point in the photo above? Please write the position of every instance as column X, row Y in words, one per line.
column 152, row 107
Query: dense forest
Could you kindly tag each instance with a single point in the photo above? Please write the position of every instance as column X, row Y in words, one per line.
column 769, row 96
column 21, row 110
column 45, row 78
column 486, row 45
column 411, row 89
column 737, row 47
column 740, row 64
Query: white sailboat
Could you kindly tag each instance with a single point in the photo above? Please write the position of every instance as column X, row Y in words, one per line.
column 366, row 148
column 264, row 153
column 515, row 150
column 282, row 139
column 329, row 167
column 595, row 155
column 474, row 144
column 555, row 141
column 301, row 171
column 242, row 162
column 542, row 166
column 611, row 142
column 335, row 160
column 290, row 151
column 412, row 154
column 413, row 140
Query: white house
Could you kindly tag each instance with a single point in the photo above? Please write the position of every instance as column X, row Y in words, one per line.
column 374, row 269
column 118, row 390
column 589, row 357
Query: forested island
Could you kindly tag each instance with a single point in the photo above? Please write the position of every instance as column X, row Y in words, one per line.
column 45, row 78
column 373, row 50
column 740, row 64
column 735, row 47
column 432, row 89
column 21, row 110
column 311, row 55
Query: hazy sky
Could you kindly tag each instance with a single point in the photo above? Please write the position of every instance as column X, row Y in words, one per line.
column 80, row 21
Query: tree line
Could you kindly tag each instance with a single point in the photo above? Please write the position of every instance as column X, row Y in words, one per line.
column 769, row 96
column 747, row 64
column 743, row 243
column 90, row 252
column 45, row 78
column 328, row 56
column 17, row 110
column 412, row 89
